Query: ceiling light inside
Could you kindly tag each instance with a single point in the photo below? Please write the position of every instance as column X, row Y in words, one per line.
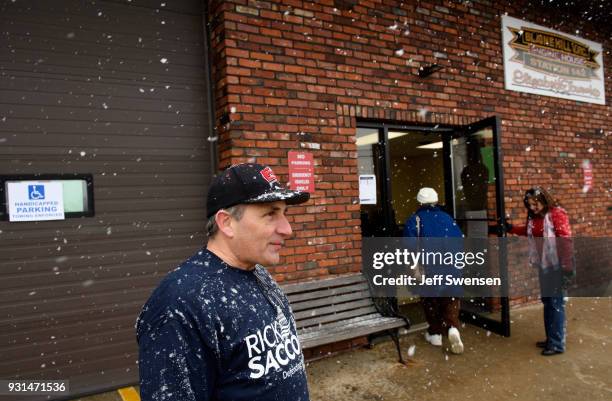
column 373, row 137
column 433, row 145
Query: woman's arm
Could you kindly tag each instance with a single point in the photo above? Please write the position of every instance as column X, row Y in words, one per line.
column 561, row 222
column 563, row 232
column 516, row 229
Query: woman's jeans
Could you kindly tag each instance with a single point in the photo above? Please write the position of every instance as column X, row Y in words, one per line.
column 551, row 287
column 554, row 322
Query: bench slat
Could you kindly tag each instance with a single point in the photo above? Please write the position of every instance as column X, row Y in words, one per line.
column 333, row 309
column 372, row 323
column 342, row 323
column 324, row 283
column 333, row 300
column 336, row 316
column 314, row 339
column 327, row 292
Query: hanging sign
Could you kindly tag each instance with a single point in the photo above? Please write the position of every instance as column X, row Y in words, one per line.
column 546, row 62
column 35, row 200
column 301, row 171
column 587, row 171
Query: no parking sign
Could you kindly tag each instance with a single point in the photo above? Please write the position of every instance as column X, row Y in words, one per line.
column 301, row 171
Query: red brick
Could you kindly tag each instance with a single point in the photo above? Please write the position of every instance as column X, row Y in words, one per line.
column 318, row 77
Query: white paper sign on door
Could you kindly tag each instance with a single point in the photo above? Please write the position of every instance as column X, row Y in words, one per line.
column 367, row 189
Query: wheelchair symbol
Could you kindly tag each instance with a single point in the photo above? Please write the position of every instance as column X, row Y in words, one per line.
column 36, row 192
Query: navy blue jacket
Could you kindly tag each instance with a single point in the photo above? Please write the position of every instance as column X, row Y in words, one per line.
column 437, row 232
column 435, row 223
column 214, row 332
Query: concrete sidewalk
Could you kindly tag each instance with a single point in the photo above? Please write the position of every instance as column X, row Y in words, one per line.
column 492, row 367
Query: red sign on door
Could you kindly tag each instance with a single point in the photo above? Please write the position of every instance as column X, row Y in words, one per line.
column 301, row 171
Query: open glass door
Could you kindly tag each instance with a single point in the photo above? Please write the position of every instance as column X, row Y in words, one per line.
column 476, row 183
column 463, row 164
column 394, row 162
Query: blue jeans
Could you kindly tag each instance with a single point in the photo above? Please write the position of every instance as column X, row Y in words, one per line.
column 554, row 322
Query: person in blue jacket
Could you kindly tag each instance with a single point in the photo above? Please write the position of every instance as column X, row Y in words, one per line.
column 441, row 308
column 219, row 327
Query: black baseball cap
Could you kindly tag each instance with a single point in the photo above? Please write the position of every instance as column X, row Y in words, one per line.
column 248, row 183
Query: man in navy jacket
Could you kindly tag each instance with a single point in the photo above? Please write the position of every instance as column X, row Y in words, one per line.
column 219, row 327
column 441, row 308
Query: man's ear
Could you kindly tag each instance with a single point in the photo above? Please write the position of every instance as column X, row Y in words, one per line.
column 224, row 223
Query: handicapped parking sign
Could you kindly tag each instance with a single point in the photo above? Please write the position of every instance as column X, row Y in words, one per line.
column 36, row 192
column 35, row 200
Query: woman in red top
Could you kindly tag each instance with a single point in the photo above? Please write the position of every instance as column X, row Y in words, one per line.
column 550, row 250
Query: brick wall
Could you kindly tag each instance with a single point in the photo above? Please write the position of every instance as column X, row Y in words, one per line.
column 298, row 75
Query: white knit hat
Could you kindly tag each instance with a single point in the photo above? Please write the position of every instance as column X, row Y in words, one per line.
column 427, row 195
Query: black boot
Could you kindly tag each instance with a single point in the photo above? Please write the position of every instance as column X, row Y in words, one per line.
column 550, row 351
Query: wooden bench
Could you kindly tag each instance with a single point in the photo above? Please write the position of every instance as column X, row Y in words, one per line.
column 340, row 308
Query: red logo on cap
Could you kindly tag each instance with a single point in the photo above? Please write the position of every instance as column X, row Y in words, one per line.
column 268, row 175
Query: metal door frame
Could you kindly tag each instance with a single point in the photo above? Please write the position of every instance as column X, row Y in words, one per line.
column 449, row 132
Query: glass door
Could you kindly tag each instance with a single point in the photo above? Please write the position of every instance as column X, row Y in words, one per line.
column 394, row 162
column 476, row 182
column 373, row 191
column 463, row 165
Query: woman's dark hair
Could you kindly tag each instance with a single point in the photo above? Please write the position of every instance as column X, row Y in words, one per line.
column 541, row 195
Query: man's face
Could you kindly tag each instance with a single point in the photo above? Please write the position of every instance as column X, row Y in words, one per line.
column 260, row 234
